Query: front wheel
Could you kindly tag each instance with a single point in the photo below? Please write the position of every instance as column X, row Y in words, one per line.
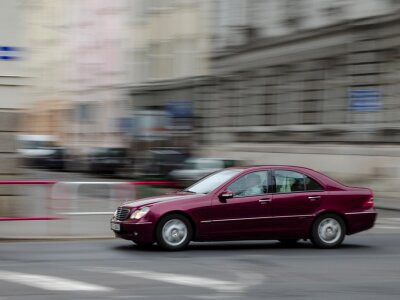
column 328, row 231
column 174, row 232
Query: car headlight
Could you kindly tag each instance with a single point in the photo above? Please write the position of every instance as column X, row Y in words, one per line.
column 115, row 213
column 140, row 213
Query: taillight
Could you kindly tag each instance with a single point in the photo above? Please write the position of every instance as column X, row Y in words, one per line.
column 370, row 202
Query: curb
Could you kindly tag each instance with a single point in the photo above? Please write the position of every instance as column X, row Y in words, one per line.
column 54, row 238
column 383, row 207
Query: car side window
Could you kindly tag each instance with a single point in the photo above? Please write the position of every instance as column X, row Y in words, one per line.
column 252, row 184
column 312, row 185
column 289, row 181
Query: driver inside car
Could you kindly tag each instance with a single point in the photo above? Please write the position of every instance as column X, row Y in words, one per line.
column 252, row 186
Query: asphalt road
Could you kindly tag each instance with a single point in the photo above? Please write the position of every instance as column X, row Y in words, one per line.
column 367, row 266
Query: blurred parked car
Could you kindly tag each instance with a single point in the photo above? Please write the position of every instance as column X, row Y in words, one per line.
column 285, row 203
column 33, row 147
column 161, row 161
column 56, row 160
column 194, row 169
column 107, row 160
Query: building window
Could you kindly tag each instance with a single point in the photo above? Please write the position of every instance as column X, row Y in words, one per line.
column 140, row 65
column 334, row 104
column 166, row 60
column 154, row 65
column 86, row 112
column 334, row 9
column 185, row 58
column 293, row 12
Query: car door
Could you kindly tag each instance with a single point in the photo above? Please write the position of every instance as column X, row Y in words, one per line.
column 296, row 199
column 247, row 215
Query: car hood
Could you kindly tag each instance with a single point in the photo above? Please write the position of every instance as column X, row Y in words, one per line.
column 163, row 198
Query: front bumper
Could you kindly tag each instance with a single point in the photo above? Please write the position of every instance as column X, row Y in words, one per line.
column 136, row 231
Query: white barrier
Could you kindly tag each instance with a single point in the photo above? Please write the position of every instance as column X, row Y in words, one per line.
column 67, row 197
column 75, row 209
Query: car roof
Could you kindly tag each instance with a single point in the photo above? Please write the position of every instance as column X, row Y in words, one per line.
column 273, row 167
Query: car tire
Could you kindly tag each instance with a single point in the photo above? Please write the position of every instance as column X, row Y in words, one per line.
column 288, row 242
column 174, row 232
column 328, row 231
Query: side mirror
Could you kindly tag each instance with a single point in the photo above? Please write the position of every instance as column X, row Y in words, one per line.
column 225, row 195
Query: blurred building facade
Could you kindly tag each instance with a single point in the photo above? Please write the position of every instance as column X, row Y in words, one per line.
column 77, row 62
column 233, row 74
column 305, row 71
column 305, row 82
column 170, row 59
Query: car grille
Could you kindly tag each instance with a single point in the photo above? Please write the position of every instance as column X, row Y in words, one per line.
column 122, row 213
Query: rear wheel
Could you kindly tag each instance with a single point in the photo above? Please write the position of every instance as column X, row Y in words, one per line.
column 328, row 231
column 174, row 232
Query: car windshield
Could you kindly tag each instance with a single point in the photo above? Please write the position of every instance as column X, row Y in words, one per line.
column 209, row 183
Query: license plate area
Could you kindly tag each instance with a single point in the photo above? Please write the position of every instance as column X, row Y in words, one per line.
column 116, row 226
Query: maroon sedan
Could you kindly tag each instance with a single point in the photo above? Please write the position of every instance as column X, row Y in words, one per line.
column 285, row 203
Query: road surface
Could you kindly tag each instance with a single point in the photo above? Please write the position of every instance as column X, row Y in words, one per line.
column 367, row 266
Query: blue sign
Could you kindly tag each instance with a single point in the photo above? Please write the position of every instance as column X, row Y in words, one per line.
column 9, row 53
column 365, row 100
column 180, row 109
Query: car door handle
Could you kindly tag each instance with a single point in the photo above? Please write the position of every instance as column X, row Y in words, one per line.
column 265, row 201
column 314, row 198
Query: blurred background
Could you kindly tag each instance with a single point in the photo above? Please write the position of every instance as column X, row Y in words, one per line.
column 176, row 89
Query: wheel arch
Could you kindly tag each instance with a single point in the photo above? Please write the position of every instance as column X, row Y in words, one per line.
column 177, row 212
column 326, row 212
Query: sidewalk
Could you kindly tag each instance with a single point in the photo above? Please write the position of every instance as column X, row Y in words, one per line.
column 72, row 227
